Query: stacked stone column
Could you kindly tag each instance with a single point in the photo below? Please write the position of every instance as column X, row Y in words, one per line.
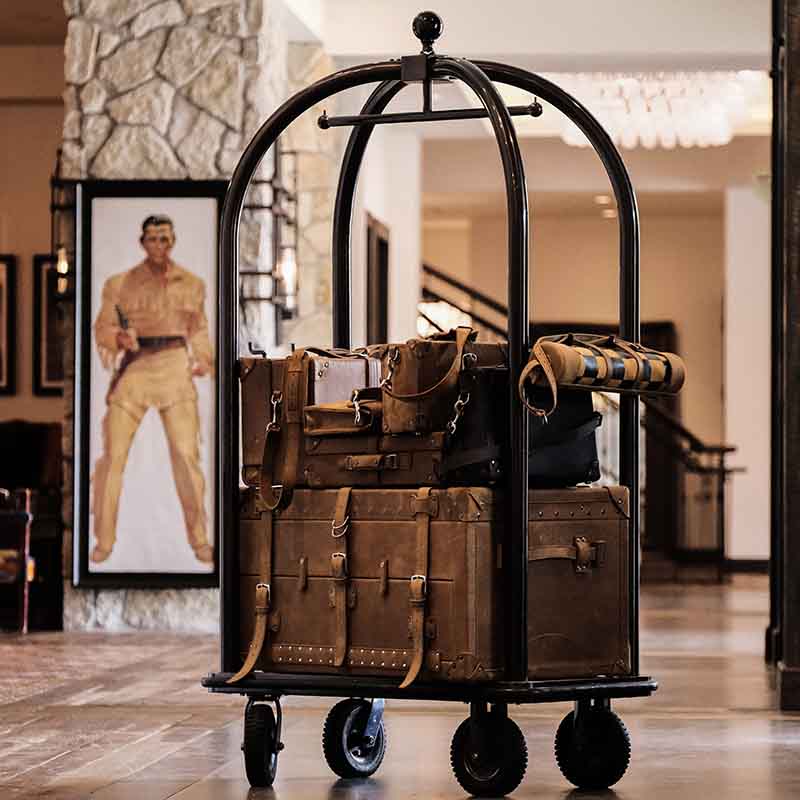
column 165, row 89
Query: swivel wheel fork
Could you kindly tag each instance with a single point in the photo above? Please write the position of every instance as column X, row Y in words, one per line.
column 262, row 740
column 592, row 746
column 488, row 753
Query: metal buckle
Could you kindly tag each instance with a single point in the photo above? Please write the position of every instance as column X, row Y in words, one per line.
column 583, row 554
column 360, row 413
column 458, row 411
column 267, row 587
column 337, row 531
column 343, row 557
column 424, row 581
column 275, row 400
column 394, row 358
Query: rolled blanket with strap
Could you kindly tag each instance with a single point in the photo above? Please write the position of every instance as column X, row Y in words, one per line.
column 601, row 362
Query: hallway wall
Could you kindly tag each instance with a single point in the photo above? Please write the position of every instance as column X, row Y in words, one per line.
column 32, row 112
column 574, row 278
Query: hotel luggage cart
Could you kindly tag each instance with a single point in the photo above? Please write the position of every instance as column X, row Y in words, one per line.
column 592, row 744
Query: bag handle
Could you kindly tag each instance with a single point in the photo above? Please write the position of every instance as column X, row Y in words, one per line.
column 463, row 335
column 539, row 360
column 584, row 553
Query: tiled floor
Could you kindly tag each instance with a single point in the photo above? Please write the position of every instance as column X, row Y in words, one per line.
column 122, row 716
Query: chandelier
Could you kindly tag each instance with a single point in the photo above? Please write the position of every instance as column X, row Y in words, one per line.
column 663, row 109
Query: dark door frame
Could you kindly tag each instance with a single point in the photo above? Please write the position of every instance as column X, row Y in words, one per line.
column 377, row 281
column 784, row 633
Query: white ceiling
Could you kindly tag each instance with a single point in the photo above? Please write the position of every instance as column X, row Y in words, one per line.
column 442, row 208
column 541, row 35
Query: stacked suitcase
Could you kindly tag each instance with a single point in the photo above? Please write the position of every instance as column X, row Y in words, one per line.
column 383, row 560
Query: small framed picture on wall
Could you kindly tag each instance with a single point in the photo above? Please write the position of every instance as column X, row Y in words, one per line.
column 145, row 402
column 8, row 344
column 48, row 336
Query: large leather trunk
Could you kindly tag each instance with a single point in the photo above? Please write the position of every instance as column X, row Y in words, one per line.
column 578, row 582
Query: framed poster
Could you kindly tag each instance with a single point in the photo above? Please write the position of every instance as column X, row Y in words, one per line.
column 48, row 339
column 145, row 400
column 8, row 344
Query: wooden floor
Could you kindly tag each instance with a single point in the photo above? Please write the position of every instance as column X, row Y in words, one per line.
column 123, row 716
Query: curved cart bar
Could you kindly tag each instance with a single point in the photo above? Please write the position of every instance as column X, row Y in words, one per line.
column 475, row 741
column 628, row 261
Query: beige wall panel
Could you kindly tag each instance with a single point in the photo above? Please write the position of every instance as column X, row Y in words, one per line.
column 29, row 137
column 575, row 279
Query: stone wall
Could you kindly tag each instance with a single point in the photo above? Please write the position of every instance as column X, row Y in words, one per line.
column 165, row 89
column 319, row 155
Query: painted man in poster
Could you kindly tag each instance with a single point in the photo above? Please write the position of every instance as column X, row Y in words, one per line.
column 152, row 333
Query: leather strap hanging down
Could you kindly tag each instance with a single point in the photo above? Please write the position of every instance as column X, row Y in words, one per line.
column 263, row 602
column 287, row 418
column 339, row 529
column 418, row 585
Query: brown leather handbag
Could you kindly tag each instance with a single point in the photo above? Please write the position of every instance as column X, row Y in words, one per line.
column 421, row 378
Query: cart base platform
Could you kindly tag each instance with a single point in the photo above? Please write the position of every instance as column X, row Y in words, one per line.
column 517, row 692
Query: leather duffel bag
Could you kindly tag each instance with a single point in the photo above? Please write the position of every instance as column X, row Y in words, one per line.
column 600, row 363
column 421, row 377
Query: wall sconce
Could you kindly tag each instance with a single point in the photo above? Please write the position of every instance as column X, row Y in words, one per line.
column 62, row 228
column 285, row 276
column 283, row 269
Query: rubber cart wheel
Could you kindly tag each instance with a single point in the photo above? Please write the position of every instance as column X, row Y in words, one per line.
column 496, row 772
column 346, row 752
column 595, row 752
column 259, row 747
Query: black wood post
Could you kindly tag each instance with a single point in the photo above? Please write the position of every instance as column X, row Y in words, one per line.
column 788, row 683
column 772, row 643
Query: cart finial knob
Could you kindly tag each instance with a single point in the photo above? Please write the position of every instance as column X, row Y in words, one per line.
column 427, row 27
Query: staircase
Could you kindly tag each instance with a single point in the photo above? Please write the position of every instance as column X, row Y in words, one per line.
column 683, row 502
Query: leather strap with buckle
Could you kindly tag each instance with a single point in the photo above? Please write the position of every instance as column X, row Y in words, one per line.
column 263, row 603
column 340, row 525
column 425, row 507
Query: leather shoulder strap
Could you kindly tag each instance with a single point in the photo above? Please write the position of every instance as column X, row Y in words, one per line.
column 339, row 529
column 284, row 433
column 263, row 602
column 418, row 585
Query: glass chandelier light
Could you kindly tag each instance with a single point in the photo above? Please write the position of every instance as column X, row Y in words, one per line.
column 686, row 109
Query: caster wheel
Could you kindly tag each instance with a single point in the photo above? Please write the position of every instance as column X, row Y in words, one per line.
column 496, row 772
column 259, row 747
column 595, row 753
column 346, row 752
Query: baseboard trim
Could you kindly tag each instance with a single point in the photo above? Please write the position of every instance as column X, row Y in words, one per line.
column 788, row 687
column 753, row 566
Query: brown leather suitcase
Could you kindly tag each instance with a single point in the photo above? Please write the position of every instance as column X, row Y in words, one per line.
column 294, row 434
column 410, row 583
column 329, row 377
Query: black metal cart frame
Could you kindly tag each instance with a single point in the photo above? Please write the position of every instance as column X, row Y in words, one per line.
column 392, row 77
